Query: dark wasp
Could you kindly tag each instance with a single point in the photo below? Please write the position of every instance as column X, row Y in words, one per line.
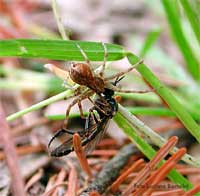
column 105, row 106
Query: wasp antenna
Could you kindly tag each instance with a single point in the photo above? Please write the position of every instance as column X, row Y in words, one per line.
column 117, row 80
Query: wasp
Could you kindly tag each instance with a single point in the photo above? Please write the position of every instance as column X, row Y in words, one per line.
column 105, row 107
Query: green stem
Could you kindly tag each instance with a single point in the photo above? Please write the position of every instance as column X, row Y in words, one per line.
column 145, row 111
column 39, row 105
column 152, row 135
column 58, row 20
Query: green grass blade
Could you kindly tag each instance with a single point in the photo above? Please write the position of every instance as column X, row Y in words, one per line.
column 144, row 111
column 39, row 105
column 168, row 97
column 155, row 138
column 59, row 49
column 149, row 41
column 151, row 111
column 192, row 17
column 149, row 152
column 175, row 25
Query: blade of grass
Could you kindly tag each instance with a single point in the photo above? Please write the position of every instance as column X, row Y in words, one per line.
column 168, row 97
column 39, row 105
column 149, row 152
column 192, row 17
column 29, row 80
column 58, row 20
column 152, row 135
column 146, row 97
column 52, row 85
column 175, row 25
column 149, row 41
column 146, row 111
column 59, row 49
column 151, row 111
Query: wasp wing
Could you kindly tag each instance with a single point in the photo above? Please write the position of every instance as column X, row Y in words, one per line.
column 66, row 139
column 96, row 135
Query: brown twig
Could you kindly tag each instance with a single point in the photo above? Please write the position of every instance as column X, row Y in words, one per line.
column 124, row 175
column 81, row 155
column 11, row 156
column 110, row 171
column 50, row 183
column 72, row 181
column 24, row 128
column 160, row 173
column 104, row 152
column 146, row 171
column 167, row 193
column 49, row 192
column 107, row 142
column 94, row 193
column 24, row 150
column 186, row 171
column 34, row 179
column 60, row 178
column 171, row 125
column 193, row 191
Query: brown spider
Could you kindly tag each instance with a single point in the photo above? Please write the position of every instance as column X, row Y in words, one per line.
column 82, row 74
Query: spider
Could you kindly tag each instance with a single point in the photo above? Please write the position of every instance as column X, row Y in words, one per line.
column 96, row 82
column 82, row 74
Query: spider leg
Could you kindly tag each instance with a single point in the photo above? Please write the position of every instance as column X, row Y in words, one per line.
column 81, row 97
column 133, row 91
column 99, row 108
column 77, row 92
column 124, row 72
column 81, row 110
column 105, row 59
column 83, row 53
column 116, row 89
column 69, row 108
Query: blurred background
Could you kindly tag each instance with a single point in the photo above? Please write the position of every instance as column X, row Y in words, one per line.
column 165, row 35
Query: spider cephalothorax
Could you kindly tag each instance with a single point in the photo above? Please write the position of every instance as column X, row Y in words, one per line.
column 82, row 74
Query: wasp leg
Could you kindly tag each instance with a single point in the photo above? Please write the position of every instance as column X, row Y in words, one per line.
column 75, row 101
column 91, row 120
